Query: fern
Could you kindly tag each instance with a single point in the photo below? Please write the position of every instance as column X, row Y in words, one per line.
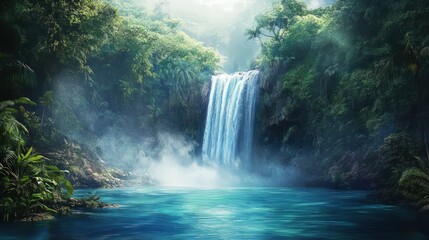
column 29, row 186
column 12, row 130
column 6, row 104
column 415, row 176
column 415, row 184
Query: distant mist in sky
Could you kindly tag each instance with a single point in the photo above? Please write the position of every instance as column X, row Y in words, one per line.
column 313, row 4
column 221, row 24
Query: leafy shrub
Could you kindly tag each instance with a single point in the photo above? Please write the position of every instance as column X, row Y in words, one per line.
column 28, row 185
column 395, row 156
column 415, row 185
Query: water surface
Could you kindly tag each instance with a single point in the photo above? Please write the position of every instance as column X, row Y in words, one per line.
column 232, row 213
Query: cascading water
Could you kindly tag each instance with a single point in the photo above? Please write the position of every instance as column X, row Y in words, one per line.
column 230, row 116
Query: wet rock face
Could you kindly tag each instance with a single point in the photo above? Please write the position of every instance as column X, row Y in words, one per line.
column 86, row 170
column 89, row 203
column 352, row 171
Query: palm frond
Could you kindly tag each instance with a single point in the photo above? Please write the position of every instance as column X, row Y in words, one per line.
column 387, row 69
column 424, row 53
column 420, row 163
column 6, row 104
column 414, row 177
column 17, row 73
column 24, row 101
column 423, row 204
column 9, row 155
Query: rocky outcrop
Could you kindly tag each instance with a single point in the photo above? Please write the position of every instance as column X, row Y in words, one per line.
column 353, row 171
column 84, row 169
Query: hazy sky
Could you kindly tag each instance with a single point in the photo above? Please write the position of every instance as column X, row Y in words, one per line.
column 228, row 5
column 221, row 24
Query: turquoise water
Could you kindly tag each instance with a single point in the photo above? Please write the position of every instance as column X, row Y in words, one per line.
column 235, row 213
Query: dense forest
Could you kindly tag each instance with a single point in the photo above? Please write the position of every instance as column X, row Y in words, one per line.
column 87, row 69
column 344, row 95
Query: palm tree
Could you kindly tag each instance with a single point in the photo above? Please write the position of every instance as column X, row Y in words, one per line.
column 254, row 33
column 46, row 100
column 410, row 59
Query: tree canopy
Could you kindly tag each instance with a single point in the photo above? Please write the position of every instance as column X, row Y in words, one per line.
column 341, row 82
column 89, row 66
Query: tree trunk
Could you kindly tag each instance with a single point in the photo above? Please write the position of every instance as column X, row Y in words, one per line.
column 426, row 144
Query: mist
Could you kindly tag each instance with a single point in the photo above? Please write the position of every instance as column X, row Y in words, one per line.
column 169, row 160
column 214, row 119
column 162, row 157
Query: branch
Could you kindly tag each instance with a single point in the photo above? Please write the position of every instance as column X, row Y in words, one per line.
column 270, row 36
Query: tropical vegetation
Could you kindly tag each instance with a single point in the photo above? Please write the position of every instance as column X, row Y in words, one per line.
column 344, row 93
column 344, row 87
column 84, row 61
column 28, row 185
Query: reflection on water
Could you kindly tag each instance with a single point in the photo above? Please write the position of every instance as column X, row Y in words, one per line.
column 236, row 213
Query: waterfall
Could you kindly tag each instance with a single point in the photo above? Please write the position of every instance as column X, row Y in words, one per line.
column 230, row 116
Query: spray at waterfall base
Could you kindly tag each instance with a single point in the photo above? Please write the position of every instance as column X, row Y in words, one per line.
column 227, row 145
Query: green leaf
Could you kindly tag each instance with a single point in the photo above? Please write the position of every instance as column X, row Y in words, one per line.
column 24, row 100
column 28, row 153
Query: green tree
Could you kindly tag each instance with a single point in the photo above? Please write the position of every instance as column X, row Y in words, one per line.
column 275, row 22
column 66, row 33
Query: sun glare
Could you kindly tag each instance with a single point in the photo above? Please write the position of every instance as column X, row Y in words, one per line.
column 227, row 5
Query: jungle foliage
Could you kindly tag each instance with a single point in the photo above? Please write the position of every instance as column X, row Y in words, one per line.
column 28, row 185
column 348, row 85
column 89, row 67
column 344, row 86
column 129, row 63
